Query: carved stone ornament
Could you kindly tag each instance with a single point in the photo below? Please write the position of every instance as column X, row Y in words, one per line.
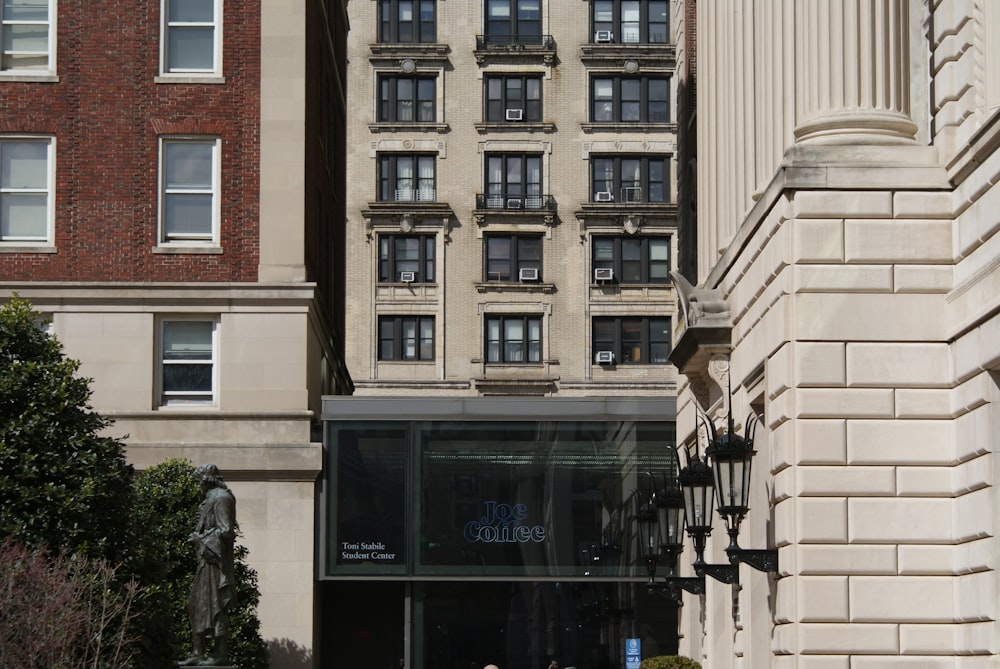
column 718, row 372
column 700, row 306
column 406, row 223
column 701, row 350
column 631, row 224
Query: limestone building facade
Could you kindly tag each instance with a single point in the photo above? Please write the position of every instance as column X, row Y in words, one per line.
column 840, row 192
column 171, row 197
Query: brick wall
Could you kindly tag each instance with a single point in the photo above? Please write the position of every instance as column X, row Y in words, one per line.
column 106, row 112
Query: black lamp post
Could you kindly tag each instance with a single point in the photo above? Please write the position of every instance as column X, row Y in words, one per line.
column 697, row 482
column 732, row 457
column 659, row 521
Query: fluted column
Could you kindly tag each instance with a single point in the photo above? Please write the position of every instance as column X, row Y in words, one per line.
column 852, row 72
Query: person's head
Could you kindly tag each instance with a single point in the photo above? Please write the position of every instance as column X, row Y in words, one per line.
column 209, row 476
column 491, row 666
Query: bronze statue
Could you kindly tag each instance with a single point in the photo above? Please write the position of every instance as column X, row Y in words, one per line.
column 213, row 592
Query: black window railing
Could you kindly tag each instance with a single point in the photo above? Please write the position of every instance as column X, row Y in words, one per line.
column 539, row 42
column 515, row 202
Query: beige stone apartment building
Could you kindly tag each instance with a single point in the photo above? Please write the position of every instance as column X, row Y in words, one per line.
column 511, row 198
column 511, row 218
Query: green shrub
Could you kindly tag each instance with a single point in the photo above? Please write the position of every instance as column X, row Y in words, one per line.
column 669, row 662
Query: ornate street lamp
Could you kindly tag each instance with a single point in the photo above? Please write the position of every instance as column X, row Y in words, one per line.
column 697, row 483
column 659, row 520
column 732, row 456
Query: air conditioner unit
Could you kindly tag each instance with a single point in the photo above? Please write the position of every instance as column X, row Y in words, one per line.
column 632, row 194
column 603, row 196
column 604, row 274
column 514, row 203
column 407, row 277
column 605, row 357
column 515, row 114
column 528, row 274
column 603, row 36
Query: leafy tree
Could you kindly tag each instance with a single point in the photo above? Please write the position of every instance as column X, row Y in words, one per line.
column 167, row 501
column 62, row 484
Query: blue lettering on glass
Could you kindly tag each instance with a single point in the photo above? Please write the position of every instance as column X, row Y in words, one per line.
column 502, row 523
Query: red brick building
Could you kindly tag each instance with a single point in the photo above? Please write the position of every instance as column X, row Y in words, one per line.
column 171, row 196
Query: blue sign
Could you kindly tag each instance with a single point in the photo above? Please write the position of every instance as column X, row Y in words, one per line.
column 633, row 653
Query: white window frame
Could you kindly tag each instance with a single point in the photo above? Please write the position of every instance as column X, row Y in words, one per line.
column 189, row 398
column 31, row 73
column 211, row 238
column 183, row 75
column 49, row 190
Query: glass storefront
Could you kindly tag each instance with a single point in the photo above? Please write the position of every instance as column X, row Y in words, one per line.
column 456, row 543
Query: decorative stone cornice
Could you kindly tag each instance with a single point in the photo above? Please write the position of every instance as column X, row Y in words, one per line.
column 542, row 385
column 407, row 216
column 701, row 351
column 647, row 57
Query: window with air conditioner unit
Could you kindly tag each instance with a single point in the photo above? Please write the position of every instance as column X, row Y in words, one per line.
column 632, row 259
column 631, row 340
column 630, row 178
column 513, row 177
column 634, row 22
column 406, row 258
column 512, row 257
column 604, row 274
column 512, row 97
column 603, row 36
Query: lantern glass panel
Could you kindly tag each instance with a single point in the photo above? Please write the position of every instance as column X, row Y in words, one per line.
column 648, row 531
column 733, row 483
column 670, row 524
column 698, row 505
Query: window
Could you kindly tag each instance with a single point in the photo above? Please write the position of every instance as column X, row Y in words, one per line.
column 630, row 21
column 507, row 255
column 630, row 100
column 403, row 21
column 630, row 178
column 632, row 259
column 513, row 181
column 406, row 178
column 192, row 37
column 26, row 189
column 189, row 190
column 188, row 361
column 514, row 98
column 406, row 338
column 406, row 258
column 514, row 21
column 633, row 340
column 406, row 99
column 26, row 41
column 513, row 339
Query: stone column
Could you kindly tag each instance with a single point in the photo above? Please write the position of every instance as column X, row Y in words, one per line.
column 852, row 72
